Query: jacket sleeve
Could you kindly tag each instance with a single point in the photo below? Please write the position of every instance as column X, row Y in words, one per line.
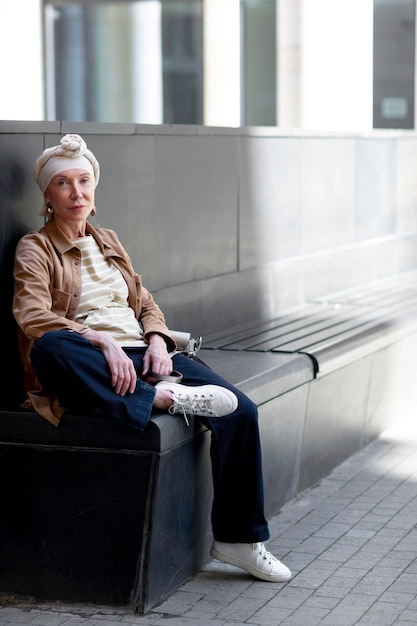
column 38, row 306
column 153, row 320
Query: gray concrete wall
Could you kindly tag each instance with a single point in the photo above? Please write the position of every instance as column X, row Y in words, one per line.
column 226, row 225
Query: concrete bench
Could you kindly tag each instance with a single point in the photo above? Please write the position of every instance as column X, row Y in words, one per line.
column 335, row 329
column 96, row 512
column 93, row 511
column 361, row 344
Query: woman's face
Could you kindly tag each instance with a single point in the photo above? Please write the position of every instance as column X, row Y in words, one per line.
column 71, row 195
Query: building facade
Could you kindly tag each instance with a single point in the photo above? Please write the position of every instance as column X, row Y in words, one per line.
column 312, row 64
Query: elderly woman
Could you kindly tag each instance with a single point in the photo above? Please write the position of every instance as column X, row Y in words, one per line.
column 93, row 338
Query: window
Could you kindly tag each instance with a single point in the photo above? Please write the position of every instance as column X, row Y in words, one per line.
column 138, row 61
column 394, row 41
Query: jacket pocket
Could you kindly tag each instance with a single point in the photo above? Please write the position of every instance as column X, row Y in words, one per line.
column 60, row 302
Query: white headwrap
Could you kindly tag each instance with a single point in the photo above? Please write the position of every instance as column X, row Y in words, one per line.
column 71, row 153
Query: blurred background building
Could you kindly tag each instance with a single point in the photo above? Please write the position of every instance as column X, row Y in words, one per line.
column 344, row 65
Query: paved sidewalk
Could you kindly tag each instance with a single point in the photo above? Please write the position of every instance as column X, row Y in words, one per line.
column 351, row 544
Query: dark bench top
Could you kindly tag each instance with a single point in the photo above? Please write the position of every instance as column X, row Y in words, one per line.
column 261, row 376
column 26, row 427
column 335, row 329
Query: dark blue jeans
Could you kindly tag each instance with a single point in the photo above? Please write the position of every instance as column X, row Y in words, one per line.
column 77, row 372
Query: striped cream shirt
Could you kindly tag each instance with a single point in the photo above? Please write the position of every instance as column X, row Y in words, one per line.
column 104, row 297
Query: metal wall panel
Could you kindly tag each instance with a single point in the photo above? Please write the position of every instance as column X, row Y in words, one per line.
column 226, row 225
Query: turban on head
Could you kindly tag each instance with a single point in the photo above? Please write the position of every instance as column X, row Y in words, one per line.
column 71, row 153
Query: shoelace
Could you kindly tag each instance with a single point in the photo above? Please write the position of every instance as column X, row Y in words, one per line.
column 191, row 404
column 263, row 553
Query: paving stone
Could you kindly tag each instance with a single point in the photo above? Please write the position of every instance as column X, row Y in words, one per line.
column 110, row 622
column 178, row 603
column 322, row 602
column 381, row 613
column 242, row 608
column 269, row 616
column 80, row 621
column 407, row 616
column 400, row 598
column 49, row 619
column 15, row 616
column 306, row 615
column 354, row 568
column 344, row 615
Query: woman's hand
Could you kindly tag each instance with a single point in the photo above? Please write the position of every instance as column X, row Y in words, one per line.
column 122, row 370
column 157, row 359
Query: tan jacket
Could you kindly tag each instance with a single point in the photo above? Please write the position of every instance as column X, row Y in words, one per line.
column 47, row 287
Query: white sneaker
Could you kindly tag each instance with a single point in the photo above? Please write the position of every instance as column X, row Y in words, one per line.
column 207, row 400
column 252, row 557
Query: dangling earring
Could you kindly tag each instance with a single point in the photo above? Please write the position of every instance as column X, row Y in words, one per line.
column 93, row 211
column 49, row 208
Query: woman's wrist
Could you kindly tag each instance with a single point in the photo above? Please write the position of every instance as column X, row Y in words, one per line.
column 156, row 338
